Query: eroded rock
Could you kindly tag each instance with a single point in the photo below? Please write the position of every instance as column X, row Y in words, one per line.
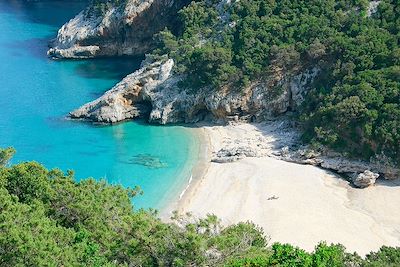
column 235, row 153
column 365, row 179
column 354, row 169
column 154, row 91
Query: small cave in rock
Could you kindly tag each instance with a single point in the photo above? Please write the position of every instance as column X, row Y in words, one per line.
column 240, row 112
column 144, row 108
column 200, row 114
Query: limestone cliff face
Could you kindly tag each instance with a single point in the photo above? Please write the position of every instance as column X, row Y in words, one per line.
column 114, row 30
column 153, row 92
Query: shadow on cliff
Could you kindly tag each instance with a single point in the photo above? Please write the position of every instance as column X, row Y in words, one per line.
column 389, row 183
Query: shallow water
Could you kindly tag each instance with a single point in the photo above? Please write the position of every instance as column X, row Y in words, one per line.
column 36, row 93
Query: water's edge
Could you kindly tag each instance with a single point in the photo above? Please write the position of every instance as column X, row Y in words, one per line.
column 37, row 93
column 198, row 169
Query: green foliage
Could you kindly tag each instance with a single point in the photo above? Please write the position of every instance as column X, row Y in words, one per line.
column 49, row 219
column 27, row 181
column 260, row 261
column 386, row 256
column 333, row 255
column 354, row 106
column 100, row 7
column 209, row 65
column 241, row 236
column 286, row 255
column 5, row 155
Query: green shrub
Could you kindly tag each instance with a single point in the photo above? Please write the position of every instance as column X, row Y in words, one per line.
column 49, row 219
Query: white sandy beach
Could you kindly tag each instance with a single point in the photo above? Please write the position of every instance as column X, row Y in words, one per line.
column 297, row 204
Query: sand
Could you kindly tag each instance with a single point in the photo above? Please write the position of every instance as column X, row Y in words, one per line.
column 296, row 204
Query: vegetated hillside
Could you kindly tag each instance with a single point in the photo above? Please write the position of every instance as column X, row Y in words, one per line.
column 48, row 219
column 354, row 104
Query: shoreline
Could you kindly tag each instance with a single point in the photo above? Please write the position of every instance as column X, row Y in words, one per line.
column 197, row 173
column 293, row 203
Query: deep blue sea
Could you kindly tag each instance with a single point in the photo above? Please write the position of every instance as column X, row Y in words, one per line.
column 36, row 93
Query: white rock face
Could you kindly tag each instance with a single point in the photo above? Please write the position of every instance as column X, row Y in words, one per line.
column 154, row 89
column 127, row 99
column 373, row 8
column 299, row 83
column 365, row 179
column 124, row 29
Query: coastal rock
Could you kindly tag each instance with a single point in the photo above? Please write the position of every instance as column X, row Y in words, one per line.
column 341, row 164
column 365, row 179
column 354, row 169
column 127, row 99
column 106, row 29
column 235, row 153
column 238, row 146
column 154, row 91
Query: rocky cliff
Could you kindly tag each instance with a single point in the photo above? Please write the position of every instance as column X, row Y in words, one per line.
column 106, row 29
column 153, row 91
column 126, row 27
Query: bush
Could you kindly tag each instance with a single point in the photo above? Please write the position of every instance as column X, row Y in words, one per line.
column 49, row 219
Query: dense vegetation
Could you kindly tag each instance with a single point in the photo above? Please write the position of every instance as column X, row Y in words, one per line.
column 354, row 105
column 48, row 219
column 99, row 7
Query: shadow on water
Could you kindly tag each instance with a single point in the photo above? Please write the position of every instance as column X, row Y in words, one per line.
column 112, row 68
column 108, row 68
column 50, row 12
column 36, row 47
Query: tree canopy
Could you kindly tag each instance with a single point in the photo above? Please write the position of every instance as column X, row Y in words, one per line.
column 49, row 219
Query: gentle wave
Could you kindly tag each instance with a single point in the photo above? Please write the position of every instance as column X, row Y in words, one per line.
column 186, row 188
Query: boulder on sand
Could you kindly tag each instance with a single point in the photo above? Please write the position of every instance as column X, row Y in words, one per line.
column 365, row 179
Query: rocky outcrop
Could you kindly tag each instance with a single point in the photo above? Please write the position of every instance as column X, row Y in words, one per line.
column 106, row 29
column 365, row 179
column 372, row 8
column 129, row 98
column 360, row 173
column 254, row 140
column 154, row 90
column 235, row 153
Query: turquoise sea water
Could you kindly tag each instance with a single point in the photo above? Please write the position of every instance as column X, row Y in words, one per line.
column 36, row 93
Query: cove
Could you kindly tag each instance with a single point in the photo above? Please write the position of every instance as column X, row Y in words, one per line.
column 36, row 93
